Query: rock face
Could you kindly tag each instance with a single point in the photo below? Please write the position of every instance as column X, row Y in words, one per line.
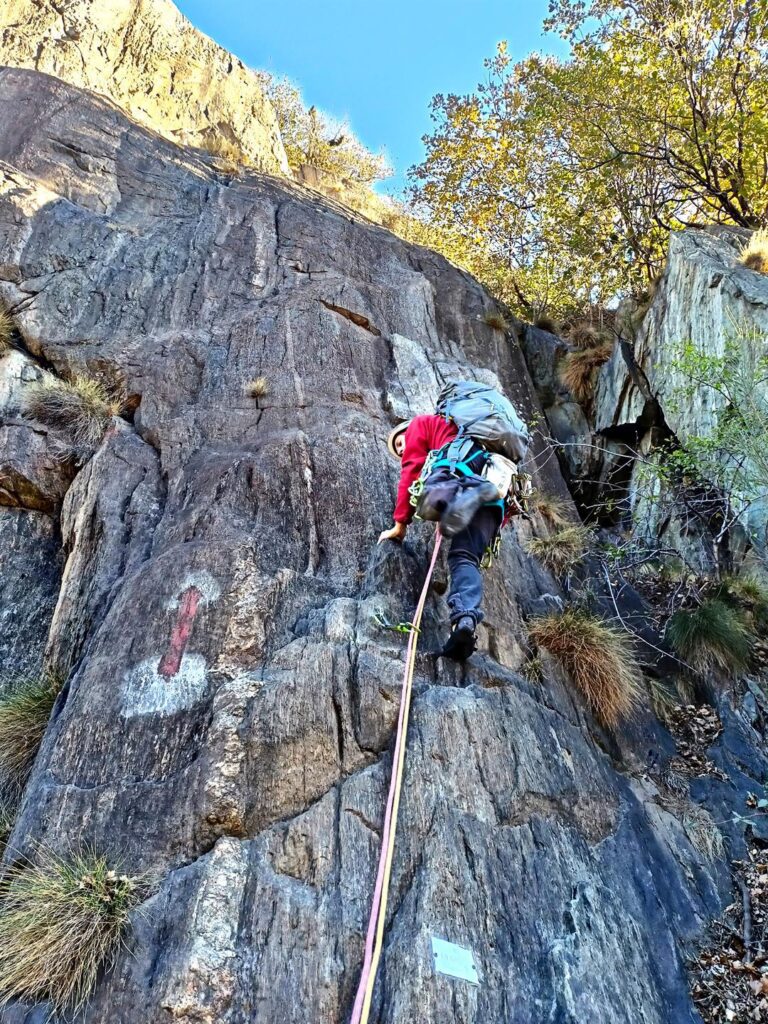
column 153, row 63
column 705, row 296
column 228, row 715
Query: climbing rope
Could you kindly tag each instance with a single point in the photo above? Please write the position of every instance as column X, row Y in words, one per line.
column 375, row 935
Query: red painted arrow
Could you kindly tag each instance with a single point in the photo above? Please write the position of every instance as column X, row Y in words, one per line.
column 170, row 663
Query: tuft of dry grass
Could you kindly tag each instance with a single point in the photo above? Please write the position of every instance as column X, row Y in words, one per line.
column 748, row 594
column 578, row 369
column 8, row 813
column 702, row 831
column 62, row 921
column 554, row 511
column 712, row 636
column 597, row 656
column 546, row 323
column 496, row 320
column 584, row 334
column 699, row 825
column 81, row 409
column 229, row 156
column 7, row 328
column 258, row 388
column 754, row 255
column 24, row 712
column 559, row 551
column 533, row 670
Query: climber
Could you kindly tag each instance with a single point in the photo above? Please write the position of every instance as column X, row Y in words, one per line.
column 455, row 468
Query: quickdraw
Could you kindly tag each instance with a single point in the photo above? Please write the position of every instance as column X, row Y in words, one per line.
column 396, row 627
column 519, row 495
column 491, row 552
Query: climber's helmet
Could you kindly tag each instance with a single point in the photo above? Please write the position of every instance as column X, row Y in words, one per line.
column 396, row 439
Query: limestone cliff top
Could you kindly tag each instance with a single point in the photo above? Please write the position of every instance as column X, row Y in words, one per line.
column 156, row 65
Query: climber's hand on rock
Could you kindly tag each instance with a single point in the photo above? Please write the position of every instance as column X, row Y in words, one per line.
column 396, row 533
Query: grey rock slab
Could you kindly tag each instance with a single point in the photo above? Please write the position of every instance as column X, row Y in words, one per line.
column 30, row 571
column 228, row 715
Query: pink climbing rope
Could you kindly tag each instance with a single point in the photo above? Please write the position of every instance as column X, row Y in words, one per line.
column 378, row 907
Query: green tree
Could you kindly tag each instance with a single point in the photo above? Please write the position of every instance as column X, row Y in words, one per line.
column 312, row 137
column 565, row 176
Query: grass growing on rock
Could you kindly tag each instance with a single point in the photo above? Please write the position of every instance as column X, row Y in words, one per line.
column 496, row 320
column 754, row 255
column 560, row 551
column 258, row 388
column 597, row 656
column 554, row 511
column 546, row 323
column 24, row 712
column 584, row 334
column 712, row 636
column 749, row 594
column 62, row 920
column 7, row 821
column 578, row 369
column 81, row 408
column 702, row 831
column 7, row 328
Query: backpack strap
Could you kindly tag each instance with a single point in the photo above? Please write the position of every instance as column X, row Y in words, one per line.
column 457, row 454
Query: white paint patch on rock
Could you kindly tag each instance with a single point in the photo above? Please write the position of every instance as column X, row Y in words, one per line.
column 145, row 692
column 203, row 581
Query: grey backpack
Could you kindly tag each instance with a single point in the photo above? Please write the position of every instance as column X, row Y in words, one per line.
column 486, row 416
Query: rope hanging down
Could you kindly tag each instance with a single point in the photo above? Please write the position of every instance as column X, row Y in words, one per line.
column 375, row 935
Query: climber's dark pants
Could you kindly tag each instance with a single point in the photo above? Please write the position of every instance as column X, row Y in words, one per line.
column 467, row 549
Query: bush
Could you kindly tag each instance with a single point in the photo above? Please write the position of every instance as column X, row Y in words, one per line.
column 24, row 712
column 61, row 922
column 559, row 551
column 7, row 328
column 597, row 656
column 754, row 255
column 82, row 409
column 712, row 636
column 578, row 369
column 312, row 137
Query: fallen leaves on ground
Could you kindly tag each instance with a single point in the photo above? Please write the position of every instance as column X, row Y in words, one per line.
column 730, row 974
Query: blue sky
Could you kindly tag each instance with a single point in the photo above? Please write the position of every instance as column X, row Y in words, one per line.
column 378, row 65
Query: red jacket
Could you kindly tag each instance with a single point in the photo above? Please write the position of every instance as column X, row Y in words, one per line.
column 425, row 434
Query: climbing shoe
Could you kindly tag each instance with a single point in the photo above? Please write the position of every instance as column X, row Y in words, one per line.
column 461, row 643
column 461, row 510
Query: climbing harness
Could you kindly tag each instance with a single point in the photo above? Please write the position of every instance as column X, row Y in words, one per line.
column 375, row 934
